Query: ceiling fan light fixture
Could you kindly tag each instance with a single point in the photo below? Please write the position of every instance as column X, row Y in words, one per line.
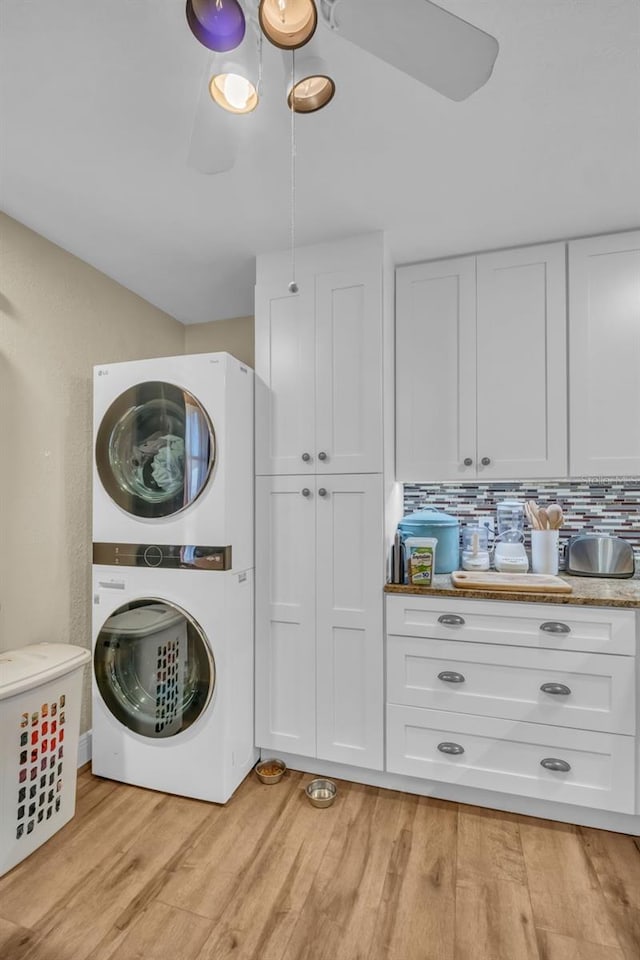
column 235, row 80
column 288, row 24
column 233, row 92
column 311, row 93
column 218, row 24
column 312, row 87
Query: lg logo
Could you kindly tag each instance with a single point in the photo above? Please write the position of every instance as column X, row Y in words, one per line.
column 103, row 373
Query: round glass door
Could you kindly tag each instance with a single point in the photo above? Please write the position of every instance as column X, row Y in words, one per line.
column 155, row 449
column 154, row 668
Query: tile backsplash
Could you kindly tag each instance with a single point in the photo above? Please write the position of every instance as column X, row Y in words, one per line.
column 611, row 506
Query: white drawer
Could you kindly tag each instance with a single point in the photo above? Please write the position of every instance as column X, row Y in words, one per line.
column 551, row 626
column 506, row 756
column 501, row 681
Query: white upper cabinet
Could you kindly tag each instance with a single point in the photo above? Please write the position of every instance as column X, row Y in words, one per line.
column 436, row 370
column 522, row 362
column 285, row 386
column 319, row 374
column 348, row 426
column 481, row 367
column 604, row 348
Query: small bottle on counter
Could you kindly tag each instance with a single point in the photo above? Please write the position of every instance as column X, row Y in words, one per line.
column 397, row 565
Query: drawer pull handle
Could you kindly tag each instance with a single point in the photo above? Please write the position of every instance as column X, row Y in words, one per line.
column 553, row 626
column 557, row 689
column 451, row 620
column 555, row 765
column 453, row 749
column 305, row 492
column 450, row 676
column 306, row 457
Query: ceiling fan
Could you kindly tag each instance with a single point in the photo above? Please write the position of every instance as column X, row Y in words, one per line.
column 418, row 37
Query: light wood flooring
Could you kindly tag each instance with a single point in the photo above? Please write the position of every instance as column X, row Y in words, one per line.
column 138, row 875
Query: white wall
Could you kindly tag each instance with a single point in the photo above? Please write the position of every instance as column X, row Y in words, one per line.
column 235, row 336
column 58, row 317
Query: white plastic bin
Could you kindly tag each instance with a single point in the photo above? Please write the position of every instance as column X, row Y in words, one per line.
column 40, row 697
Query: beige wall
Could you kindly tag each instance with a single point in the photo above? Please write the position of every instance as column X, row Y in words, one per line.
column 234, row 336
column 58, row 317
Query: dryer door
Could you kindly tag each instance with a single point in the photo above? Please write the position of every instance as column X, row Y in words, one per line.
column 155, row 449
column 154, row 668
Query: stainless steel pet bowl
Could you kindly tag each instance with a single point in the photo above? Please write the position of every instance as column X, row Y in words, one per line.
column 321, row 793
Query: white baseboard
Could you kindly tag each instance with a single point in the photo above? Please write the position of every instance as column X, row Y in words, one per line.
column 84, row 748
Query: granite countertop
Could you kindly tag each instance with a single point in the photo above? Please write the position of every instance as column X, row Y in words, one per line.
column 590, row 591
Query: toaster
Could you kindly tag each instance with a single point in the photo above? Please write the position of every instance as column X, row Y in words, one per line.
column 600, row 555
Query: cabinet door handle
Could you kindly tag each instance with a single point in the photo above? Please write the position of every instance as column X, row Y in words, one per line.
column 306, row 457
column 485, row 461
column 453, row 749
column 558, row 689
column 322, row 492
column 553, row 626
column 555, row 765
column 305, row 492
column 322, row 455
column 451, row 620
column 450, row 676
column 468, row 462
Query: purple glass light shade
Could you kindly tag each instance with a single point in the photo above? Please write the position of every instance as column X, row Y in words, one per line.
column 217, row 24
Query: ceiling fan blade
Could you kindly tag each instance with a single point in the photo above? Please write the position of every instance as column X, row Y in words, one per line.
column 214, row 136
column 421, row 39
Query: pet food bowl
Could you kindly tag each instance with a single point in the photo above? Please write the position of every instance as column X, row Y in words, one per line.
column 321, row 793
column 271, row 770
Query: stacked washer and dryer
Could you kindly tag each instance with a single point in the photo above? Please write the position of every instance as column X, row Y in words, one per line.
column 173, row 574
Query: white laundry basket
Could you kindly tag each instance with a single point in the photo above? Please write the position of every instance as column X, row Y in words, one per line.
column 40, row 697
column 148, row 668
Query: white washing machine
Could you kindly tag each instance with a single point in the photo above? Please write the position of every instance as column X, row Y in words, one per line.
column 173, row 679
column 173, row 457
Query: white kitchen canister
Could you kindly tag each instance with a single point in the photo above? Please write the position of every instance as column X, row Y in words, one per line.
column 544, row 551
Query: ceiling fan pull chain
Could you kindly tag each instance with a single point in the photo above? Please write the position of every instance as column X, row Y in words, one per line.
column 260, row 63
column 293, row 286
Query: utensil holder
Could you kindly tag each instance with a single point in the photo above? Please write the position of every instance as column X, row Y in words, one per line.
column 544, row 551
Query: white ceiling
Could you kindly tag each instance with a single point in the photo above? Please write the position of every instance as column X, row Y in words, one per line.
column 98, row 100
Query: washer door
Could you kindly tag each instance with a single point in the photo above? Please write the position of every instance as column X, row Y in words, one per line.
column 154, row 668
column 155, row 449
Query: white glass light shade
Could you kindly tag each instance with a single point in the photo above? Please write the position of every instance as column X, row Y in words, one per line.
column 234, row 81
column 233, row 92
column 288, row 24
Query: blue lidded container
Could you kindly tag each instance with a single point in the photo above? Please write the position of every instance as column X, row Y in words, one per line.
column 446, row 529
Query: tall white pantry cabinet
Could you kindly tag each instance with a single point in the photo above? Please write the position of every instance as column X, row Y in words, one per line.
column 321, row 415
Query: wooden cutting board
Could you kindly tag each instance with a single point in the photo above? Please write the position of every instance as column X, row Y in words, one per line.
column 514, row 582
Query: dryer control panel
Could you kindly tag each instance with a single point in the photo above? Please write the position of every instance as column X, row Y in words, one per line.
column 193, row 557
